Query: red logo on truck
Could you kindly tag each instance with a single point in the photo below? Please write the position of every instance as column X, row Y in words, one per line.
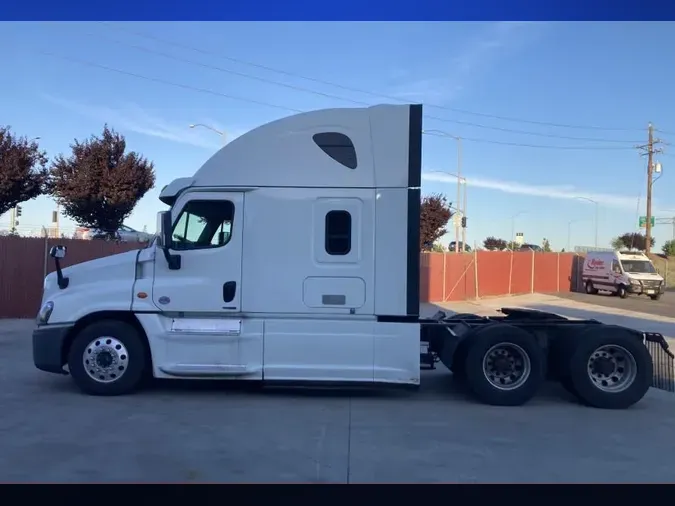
column 594, row 264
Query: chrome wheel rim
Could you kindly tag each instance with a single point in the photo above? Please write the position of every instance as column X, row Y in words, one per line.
column 506, row 366
column 612, row 368
column 105, row 359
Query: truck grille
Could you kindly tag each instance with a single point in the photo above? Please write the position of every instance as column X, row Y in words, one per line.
column 664, row 366
column 651, row 284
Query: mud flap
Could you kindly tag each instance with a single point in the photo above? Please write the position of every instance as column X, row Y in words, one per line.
column 662, row 358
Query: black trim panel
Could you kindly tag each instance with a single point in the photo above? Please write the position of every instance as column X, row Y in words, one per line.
column 388, row 318
column 414, row 196
column 415, row 147
column 413, row 263
column 48, row 348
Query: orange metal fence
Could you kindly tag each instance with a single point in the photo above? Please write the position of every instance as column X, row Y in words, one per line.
column 24, row 262
column 452, row 277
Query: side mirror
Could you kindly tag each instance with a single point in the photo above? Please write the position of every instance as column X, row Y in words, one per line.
column 58, row 252
column 164, row 236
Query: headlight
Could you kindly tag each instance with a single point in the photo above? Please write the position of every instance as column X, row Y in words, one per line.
column 45, row 312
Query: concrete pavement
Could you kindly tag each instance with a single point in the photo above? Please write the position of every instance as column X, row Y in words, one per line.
column 218, row 432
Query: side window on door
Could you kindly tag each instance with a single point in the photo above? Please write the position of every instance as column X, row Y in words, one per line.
column 616, row 267
column 203, row 224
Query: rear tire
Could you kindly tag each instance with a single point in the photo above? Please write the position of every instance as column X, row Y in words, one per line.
column 609, row 368
column 590, row 289
column 108, row 357
column 504, row 365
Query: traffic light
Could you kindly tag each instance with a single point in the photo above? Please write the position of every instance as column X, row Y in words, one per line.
column 463, row 221
column 18, row 211
column 54, row 217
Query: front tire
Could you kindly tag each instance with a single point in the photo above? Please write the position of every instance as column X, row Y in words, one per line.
column 108, row 358
column 621, row 291
column 655, row 297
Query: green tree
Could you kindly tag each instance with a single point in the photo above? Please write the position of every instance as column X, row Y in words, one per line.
column 435, row 213
column 668, row 248
column 546, row 246
column 632, row 240
column 494, row 244
column 100, row 183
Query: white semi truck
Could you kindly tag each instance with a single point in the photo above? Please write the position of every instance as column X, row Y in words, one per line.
column 292, row 255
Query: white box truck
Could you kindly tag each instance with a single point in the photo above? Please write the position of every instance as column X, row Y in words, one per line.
column 293, row 256
column 621, row 273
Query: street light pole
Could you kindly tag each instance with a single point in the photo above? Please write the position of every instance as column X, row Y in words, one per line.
column 222, row 134
column 458, row 139
column 596, row 216
column 460, row 210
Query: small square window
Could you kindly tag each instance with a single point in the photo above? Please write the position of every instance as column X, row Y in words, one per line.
column 338, row 232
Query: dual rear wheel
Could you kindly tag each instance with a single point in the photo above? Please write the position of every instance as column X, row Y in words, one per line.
column 604, row 366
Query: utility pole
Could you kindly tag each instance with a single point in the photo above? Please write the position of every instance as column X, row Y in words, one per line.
column 464, row 218
column 459, row 191
column 649, row 150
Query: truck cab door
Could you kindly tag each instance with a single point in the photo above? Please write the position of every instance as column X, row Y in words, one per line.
column 207, row 234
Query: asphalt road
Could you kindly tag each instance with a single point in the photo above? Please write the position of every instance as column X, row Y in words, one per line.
column 197, row 432
column 665, row 306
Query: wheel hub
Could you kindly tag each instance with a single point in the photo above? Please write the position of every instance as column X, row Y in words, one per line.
column 612, row 368
column 105, row 359
column 506, row 366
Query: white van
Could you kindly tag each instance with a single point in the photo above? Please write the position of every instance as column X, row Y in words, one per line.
column 622, row 272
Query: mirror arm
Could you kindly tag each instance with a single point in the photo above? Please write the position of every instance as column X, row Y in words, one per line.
column 60, row 279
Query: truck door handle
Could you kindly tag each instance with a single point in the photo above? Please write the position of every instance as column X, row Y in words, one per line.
column 229, row 290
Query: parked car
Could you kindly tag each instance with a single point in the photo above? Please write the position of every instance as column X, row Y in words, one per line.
column 531, row 247
column 124, row 234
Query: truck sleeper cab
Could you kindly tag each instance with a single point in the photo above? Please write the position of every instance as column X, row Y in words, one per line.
column 292, row 255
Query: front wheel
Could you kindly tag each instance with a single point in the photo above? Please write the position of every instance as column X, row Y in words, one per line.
column 655, row 297
column 108, row 358
column 621, row 291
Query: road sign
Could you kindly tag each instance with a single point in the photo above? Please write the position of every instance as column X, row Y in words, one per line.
column 643, row 221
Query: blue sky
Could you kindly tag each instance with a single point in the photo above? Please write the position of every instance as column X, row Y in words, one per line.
column 615, row 76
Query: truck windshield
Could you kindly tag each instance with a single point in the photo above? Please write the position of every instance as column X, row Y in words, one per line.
column 638, row 266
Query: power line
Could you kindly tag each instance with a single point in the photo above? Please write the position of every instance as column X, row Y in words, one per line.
column 357, row 90
column 357, row 102
column 168, row 83
column 291, row 109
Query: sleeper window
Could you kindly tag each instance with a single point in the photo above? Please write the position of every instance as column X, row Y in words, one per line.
column 338, row 232
column 338, row 146
column 203, row 224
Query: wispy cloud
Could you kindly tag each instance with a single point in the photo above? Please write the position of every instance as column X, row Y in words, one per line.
column 469, row 63
column 561, row 192
column 134, row 118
